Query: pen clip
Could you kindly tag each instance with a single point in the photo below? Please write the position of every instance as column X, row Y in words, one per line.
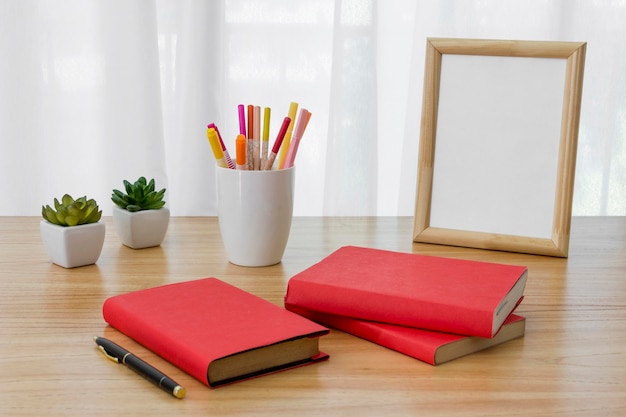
column 108, row 355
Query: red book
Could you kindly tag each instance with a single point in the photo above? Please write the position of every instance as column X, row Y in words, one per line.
column 448, row 295
column 214, row 331
column 426, row 345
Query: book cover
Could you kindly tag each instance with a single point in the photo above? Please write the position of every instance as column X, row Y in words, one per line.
column 426, row 345
column 443, row 294
column 214, row 331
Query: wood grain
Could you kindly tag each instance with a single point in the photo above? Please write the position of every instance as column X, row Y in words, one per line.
column 572, row 360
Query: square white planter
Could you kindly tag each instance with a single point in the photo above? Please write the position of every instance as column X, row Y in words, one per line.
column 73, row 246
column 141, row 229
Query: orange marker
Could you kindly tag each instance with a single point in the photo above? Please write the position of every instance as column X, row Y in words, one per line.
column 241, row 148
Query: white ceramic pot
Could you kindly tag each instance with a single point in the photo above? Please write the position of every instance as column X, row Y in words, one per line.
column 255, row 209
column 73, row 246
column 141, row 229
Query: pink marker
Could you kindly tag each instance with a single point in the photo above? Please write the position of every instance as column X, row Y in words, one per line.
column 303, row 120
column 242, row 119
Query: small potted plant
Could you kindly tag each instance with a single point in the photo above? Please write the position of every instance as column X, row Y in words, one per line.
column 139, row 215
column 71, row 231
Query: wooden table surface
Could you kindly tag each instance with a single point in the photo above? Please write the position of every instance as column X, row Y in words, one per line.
column 571, row 362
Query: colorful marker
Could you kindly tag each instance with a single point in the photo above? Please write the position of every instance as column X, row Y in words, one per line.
column 250, row 152
column 217, row 148
column 229, row 161
column 242, row 119
column 240, row 152
column 293, row 109
column 266, row 135
column 256, row 138
column 277, row 143
column 303, row 120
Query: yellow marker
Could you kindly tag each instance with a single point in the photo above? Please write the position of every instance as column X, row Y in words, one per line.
column 214, row 140
column 293, row 108
column 266, row 135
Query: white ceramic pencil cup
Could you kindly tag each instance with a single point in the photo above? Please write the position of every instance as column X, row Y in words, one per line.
column 255, row 209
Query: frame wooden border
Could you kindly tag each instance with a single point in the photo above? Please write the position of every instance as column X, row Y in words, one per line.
column 558, row 245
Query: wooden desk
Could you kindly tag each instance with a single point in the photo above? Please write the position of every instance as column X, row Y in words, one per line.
column 572, row 361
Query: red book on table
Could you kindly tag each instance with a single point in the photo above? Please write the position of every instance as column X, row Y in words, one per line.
column 214, row 331
column 426, row 345
column 443, row 294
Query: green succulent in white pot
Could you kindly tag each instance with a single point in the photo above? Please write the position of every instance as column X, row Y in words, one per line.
column 71, row 232
column 139, row 214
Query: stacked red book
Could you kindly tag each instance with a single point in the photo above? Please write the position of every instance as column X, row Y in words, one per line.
column 432, row 308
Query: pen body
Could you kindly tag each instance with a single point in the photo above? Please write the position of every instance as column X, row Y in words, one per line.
column 120, row 355
column 151, row 373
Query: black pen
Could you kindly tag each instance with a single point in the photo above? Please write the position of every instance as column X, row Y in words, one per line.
column 118, row 354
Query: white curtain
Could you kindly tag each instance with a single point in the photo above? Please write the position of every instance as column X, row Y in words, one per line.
column 96, row 91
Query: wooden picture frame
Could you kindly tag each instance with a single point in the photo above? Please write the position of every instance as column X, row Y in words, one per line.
column 497, row 153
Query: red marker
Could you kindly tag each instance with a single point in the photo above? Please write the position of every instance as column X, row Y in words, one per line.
column 277, row 143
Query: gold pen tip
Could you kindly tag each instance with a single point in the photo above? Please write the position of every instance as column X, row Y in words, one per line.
column 179, row 392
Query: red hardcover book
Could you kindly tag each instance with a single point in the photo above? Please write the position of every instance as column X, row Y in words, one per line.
column 214, row 331
column 426, row 345
column 448, row 295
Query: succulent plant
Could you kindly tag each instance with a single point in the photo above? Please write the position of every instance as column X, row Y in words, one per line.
column 70, row 212
column 140, row 195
